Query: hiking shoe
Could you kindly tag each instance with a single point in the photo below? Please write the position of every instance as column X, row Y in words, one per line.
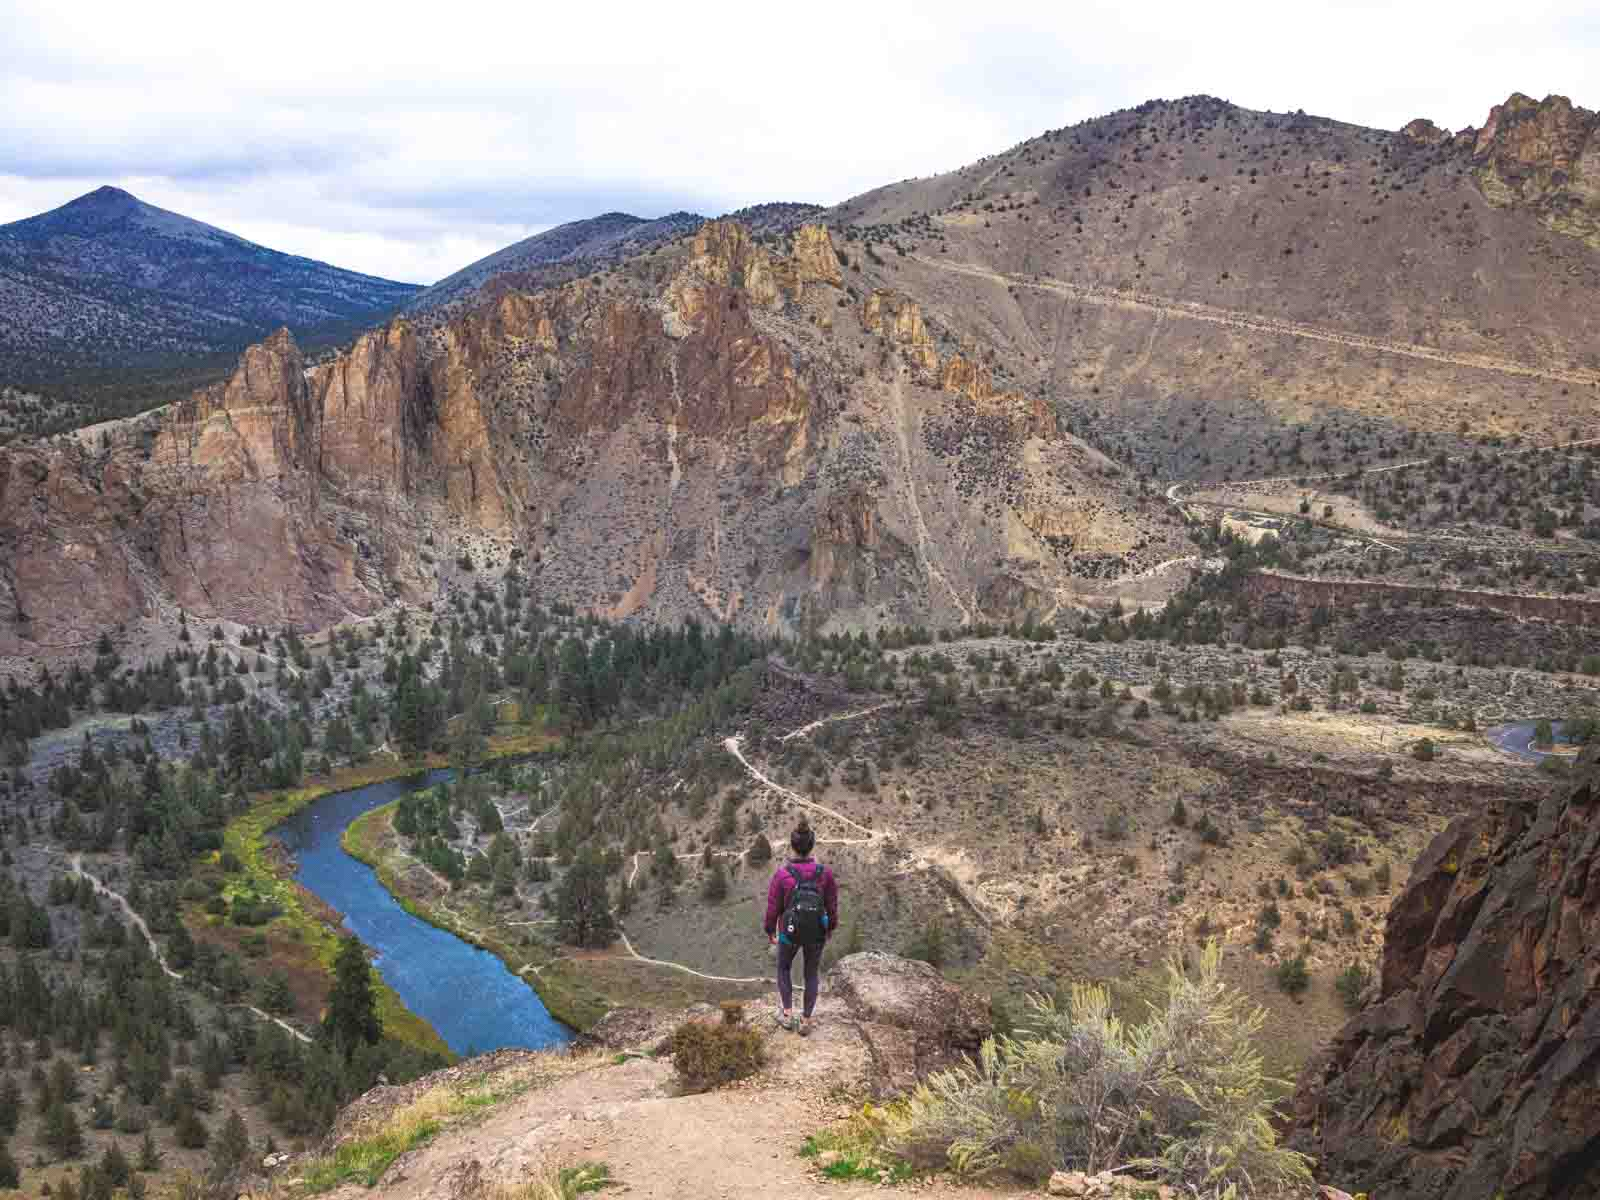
column 807, row 1024
column 786, row 1021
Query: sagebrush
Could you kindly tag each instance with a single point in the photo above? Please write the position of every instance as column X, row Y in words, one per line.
column 707, row 1056
column 1182, row 1095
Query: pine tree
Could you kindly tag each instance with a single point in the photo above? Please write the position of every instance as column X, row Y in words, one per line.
column 716, row 885
column 190, row 1131
column 10, row 1104
column 10, row 1176
column 583, row 904
column 505, row 875
column 275, row 994
column 114, row 1166
column 232, row 1146
column 352, row 1008
column 60, row 1131
column 149, row 1156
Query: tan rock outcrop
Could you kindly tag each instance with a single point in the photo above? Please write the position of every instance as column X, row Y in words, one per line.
column 1544, row 155
column 1424, row 132
column 899, row 319
column 814, row 258
column 1028, row 417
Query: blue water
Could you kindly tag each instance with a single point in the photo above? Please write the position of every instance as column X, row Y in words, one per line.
column 1517, row 738
column 463, row 992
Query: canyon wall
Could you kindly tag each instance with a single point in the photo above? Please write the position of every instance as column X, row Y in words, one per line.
column 1474, row 1073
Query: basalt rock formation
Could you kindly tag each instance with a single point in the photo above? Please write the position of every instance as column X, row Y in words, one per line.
column 1474, row 1074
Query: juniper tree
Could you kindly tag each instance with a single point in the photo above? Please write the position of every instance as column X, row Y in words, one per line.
column 352, row 1007
column 583, row 903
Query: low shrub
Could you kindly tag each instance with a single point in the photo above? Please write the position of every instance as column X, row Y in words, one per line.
column 1293, row 977
column 1350, row 983
column 1182, row 1096
column 706, row 1056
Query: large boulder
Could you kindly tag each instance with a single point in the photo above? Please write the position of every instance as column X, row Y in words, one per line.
column 638, row 1028
column 1475, row 1072
column 911, row 1018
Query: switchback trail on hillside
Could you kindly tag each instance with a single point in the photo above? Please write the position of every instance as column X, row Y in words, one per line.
column 734, row 746
column 1193, row 310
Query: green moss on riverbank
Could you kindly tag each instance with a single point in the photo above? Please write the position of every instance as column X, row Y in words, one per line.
column 302, row 939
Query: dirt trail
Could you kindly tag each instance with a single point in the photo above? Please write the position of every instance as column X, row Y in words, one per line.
column 732, row 746
column 908, row 488
column 1176, row 497
column 677, row 966
column 928, row 858
column 730, row 1144
column 806, row 730
column 1105, row 297
column 1174, row 490
column 138, row 922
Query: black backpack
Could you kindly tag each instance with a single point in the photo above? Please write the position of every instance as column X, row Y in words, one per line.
column 805, row 920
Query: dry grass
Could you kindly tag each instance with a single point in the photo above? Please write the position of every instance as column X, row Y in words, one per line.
column 557, row 1183
column 364, row 1158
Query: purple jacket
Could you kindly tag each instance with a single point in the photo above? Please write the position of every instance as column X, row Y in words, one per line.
column 782, row 885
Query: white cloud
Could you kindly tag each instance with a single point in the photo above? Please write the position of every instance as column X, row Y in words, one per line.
column 405, row 140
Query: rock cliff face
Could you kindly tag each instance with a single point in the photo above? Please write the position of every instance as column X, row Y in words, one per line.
column 1475, row 1072
column 1545, row 155
column 722, row 428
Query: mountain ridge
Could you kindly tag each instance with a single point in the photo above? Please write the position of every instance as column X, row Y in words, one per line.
column 947, row 400
column 107, row 291
column 557, row 254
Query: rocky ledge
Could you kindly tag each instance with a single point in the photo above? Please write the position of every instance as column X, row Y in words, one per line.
column 1474, row 1073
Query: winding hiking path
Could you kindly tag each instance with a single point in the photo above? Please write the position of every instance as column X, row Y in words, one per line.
column 732, row 746
column 139, row 923
column 915, row 860
column 677, row 966
column 1178, row 500
column 807, row 730
column 1192, row 310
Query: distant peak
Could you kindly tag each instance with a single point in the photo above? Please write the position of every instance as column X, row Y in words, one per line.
column 105, row 197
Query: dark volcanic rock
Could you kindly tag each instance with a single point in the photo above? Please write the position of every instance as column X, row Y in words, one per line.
column 1475, row 1074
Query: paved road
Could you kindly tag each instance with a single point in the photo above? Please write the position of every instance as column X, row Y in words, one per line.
column 1517, row 739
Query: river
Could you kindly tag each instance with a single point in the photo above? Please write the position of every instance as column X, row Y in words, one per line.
column 465, row 993
column 1517, row 738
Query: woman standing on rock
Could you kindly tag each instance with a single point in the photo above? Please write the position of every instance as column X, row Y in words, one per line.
column 802, row 913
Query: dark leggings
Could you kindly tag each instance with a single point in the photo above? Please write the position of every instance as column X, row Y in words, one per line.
column 813, row 961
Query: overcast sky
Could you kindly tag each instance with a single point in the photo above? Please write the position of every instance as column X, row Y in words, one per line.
column 408, row 140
